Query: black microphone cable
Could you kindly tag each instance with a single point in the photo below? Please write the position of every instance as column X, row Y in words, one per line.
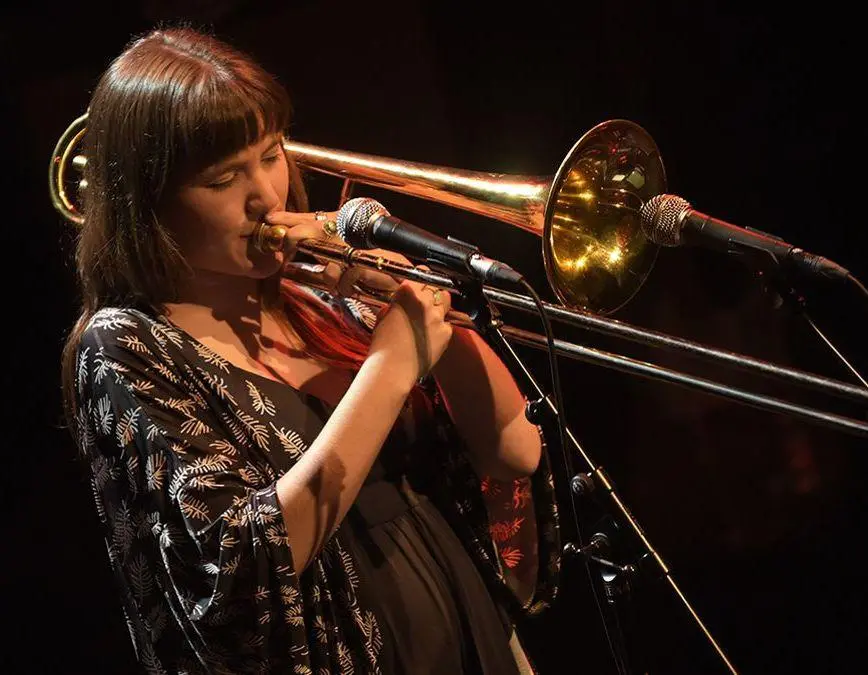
column 858, row 284
column 561, row 411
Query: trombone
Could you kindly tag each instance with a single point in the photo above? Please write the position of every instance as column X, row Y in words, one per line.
column 587, row 216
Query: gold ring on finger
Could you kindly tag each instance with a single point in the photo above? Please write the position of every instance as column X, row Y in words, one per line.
column 330, row 228
column 438, row 299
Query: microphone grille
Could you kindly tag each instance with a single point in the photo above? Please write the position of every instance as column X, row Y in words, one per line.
column 661, row 217
column 354, row 218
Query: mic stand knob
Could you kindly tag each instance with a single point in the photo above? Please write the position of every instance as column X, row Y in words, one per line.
column 618, row 582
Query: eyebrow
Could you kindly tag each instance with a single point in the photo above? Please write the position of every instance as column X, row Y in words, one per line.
column 220, row 167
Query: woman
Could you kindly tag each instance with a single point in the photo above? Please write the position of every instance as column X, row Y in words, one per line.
column 284, row 489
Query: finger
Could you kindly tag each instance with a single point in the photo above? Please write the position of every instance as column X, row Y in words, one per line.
column 347, row 281
column 323, row 276
column 293, row 218
column 445, row 298
column 307, row 225
column 374, row 279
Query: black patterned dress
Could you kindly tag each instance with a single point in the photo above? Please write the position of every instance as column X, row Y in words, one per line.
column 185, row 449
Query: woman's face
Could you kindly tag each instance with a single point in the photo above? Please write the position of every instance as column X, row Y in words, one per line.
column 213, row 214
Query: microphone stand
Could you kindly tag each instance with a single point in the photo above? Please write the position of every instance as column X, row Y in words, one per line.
column 618, row 580
column 776, row 283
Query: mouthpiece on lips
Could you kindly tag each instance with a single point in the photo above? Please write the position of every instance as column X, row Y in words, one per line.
column 268, row 238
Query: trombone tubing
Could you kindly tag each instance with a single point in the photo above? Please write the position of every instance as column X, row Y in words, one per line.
column 350, row 256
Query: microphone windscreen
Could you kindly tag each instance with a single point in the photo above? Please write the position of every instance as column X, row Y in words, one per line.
column 660, row 219
column 354, row 221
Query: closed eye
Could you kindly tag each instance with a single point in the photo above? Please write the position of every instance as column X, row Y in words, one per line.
column 224, row 180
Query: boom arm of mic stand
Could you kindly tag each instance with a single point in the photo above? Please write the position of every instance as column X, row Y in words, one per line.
column 490, row 328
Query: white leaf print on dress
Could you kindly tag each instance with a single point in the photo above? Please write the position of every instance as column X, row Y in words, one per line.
column 276, row 536
column 294, row 615
column 149, row 659
column 127, row 426
column 371, row 631
column 193, row 426
column 123, row 531
column 211, row 568
column 183, row 405
column 82, row 369
column 86, row 432
column 261, row 403
column 223, row 447
column 104, row 469
column 162, row 333
column 227, row 541
column 202, row 483
column 194, row 508
column 140, row 577
column 102, row 367
column 320, row 630
column 251, row 475
column 132, row 465
column 210, row 357
column 112, row 319
column 289, row 594
column 98, row 501
column 104, row 415
column 142, row 386
column 257, row 430
column 166, row 372
column 156, row 621
column 198, row 467
column 231, row 565
column 345, row 659
column 292, row 443
column 133, row 343
column 155, row 471
column 266, row 514
column 218, row 385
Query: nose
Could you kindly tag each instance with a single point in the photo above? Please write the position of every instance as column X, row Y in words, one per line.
column 264, row 195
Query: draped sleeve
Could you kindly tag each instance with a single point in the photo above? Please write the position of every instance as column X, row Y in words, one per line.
column 509, row 527
column 193, row 526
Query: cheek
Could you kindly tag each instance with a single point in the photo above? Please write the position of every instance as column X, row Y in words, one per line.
column 204, row 231
column 281, row 183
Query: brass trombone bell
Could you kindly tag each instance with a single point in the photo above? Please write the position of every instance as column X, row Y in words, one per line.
column 587, row 215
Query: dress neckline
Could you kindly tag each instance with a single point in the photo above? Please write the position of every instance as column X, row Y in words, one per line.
column 240, row 371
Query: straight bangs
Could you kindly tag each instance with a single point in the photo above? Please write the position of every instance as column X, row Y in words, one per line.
column 221, row 115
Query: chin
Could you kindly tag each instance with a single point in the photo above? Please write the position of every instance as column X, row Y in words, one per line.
column 265, row 266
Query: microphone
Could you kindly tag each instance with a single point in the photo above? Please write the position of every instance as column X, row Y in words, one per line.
column 669, row 220
column 365, row 223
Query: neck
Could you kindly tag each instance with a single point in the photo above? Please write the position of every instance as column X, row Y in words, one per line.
column 226, row 298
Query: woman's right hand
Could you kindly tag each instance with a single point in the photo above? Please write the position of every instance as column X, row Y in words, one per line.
column 412, row 332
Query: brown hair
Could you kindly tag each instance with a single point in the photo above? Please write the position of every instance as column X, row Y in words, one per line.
column 173, row 102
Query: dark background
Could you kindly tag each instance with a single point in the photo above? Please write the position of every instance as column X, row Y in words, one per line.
column 760, row 516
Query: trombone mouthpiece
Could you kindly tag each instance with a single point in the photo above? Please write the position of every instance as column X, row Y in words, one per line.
column 268, row 238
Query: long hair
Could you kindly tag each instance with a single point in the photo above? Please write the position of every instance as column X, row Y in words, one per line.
column 174, row 102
